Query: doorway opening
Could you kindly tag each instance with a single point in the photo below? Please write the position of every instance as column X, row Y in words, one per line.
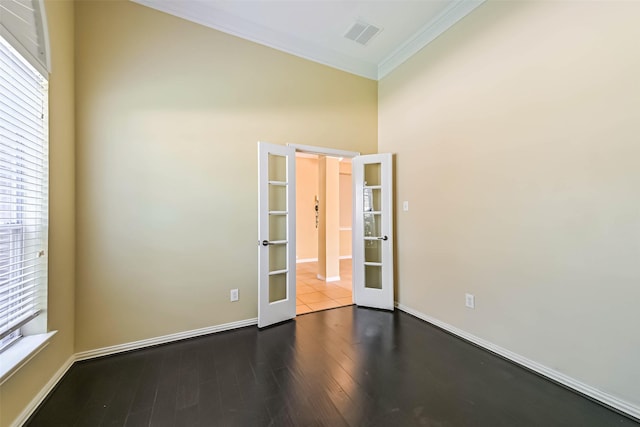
column 323, row 232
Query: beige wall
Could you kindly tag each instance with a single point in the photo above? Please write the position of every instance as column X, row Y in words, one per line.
column 516, row 135
column 306, row 191
column 22, row 387
column 168, row 117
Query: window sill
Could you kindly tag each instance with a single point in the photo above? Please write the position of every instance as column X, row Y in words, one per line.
column 21, row 352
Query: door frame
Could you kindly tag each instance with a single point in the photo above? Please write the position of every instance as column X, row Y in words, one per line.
column 322, row 151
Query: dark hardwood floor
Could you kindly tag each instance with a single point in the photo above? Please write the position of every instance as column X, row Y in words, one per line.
column 342, row 367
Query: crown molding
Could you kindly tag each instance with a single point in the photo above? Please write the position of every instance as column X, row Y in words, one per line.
column 427, row 34
column 201, row 13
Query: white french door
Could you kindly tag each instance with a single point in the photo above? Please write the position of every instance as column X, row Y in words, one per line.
column 276, row 234
column 373, row 231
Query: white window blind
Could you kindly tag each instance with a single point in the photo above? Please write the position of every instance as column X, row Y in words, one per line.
column 23, row 25
column 23, row 192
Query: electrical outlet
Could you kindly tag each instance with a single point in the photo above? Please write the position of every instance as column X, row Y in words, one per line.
column 234, row 295
column 470, row 300
column 405, row 206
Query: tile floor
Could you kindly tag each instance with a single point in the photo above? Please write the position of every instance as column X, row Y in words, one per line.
column 313, row 294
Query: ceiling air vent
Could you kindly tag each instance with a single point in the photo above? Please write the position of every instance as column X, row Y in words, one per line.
column 361, row 32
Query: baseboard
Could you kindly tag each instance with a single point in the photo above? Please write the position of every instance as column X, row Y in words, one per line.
column 567, row 381
column 42, row 395
column 328, row 279
column 135, row 345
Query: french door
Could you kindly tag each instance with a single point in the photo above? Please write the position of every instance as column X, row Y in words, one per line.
column 373, row 231
column 276, row 234
column 372, row 245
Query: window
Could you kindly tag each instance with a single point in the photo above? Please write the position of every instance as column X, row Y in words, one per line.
column 23, row 193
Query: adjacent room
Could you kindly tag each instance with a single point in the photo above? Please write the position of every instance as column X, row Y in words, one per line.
column 323, row 236
column 129, row 212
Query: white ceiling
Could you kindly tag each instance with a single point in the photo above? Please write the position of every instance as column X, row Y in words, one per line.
column 315, row 29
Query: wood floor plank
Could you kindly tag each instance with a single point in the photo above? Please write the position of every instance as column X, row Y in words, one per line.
column 139, row 418
column 146, row 391
column 188, row 392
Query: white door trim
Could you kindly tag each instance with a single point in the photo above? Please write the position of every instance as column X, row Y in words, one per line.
column 323, row 151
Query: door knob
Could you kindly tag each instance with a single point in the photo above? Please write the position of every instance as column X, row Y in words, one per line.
column 266, row 243
column 383, row 238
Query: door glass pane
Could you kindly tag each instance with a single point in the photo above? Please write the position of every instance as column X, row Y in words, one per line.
column 277, row 198
column 372, row 174
column 375, row 199
column 277, row 287
column 367, row 200
column 373, row 251
column 277, row 257
column 277, row 168
column 371, row 200
column 373, row 276
column 277, row 227
column 371, row 225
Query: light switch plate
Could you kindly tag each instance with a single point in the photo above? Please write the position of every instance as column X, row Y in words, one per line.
column 469, row 300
